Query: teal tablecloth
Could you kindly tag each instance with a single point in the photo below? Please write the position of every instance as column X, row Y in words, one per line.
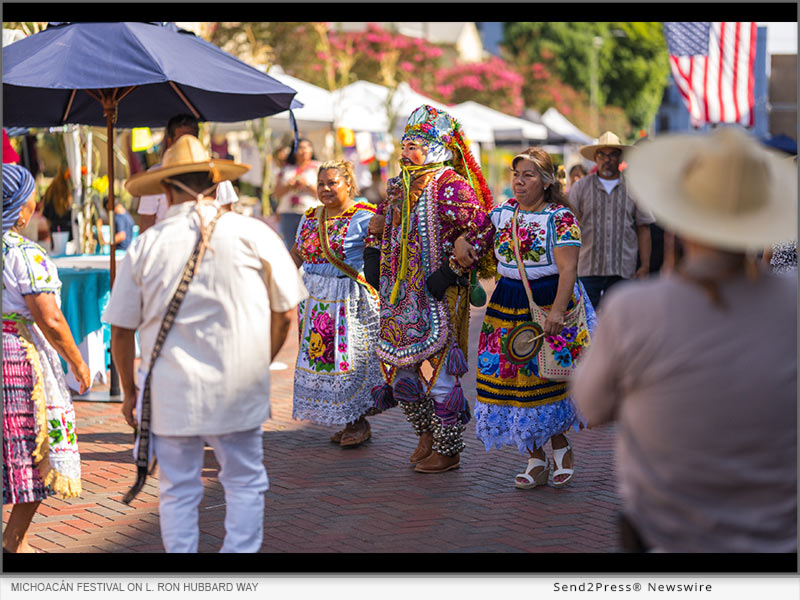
column 84, row 295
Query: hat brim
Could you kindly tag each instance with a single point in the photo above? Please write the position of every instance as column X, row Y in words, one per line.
column 588, row 151
column 149, row 182
column 655, row 172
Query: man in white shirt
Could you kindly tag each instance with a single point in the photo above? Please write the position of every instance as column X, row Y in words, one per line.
column 210, row 383
column 153, row 207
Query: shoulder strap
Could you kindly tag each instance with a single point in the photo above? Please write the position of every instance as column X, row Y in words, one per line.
column 523, row 274
column 520, row 265
column 143, row 434
column 322, row 229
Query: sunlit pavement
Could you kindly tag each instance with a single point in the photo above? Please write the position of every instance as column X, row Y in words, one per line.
column 326, row 499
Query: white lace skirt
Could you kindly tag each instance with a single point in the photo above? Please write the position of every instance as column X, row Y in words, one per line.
column 336, row 364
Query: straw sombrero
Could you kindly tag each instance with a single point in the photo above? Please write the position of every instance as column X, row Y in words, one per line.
column 722, row 189
column 186, row 155
column 607, row 140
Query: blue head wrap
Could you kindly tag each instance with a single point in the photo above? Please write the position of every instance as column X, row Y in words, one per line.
column 18, row 186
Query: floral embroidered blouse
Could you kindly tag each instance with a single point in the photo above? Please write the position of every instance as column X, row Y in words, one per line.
column 418, row 325
column 26, row 270
column 346, row 235
column 538, row 233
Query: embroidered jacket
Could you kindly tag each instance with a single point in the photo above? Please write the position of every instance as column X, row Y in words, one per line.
column 443, row 206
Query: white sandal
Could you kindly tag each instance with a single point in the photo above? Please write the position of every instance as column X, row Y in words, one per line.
column 558, row 458
column 540, row 479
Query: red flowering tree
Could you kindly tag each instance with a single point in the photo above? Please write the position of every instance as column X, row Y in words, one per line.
column 494, row 83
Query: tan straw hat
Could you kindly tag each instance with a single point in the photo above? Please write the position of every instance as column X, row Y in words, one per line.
column 723, row 189
column 607, row 140
column 186, row 155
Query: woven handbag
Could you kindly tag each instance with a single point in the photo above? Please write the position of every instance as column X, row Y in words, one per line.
column 557, row 355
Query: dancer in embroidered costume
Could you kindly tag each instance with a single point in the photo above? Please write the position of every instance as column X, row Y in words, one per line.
column 515, row 405
column 40, row 448
column 338, row 323
column 435, row 229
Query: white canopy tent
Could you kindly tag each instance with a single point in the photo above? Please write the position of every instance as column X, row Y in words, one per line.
column 316, row 113
column 361, row 106
column 504, row 127
column 562, row 126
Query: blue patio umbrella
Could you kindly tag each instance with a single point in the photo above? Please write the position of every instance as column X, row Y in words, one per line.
column 130, row 75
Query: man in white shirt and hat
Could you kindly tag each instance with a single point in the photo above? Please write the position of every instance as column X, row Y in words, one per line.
column 153, row 207
column 613, row 228
column 206, row 380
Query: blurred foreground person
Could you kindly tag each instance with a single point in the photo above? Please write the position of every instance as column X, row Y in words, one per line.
column 699, row 367
column 212, row 294
column 40, row 447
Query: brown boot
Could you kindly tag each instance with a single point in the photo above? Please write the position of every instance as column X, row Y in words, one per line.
column 438, row 463
column 424, row 448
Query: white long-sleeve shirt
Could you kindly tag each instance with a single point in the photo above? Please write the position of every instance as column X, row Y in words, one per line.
column 212, row 376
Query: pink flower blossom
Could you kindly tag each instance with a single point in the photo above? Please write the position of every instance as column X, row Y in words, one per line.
column 508, row 370
column 494, row 341
column 406, row 66
column 323, row 324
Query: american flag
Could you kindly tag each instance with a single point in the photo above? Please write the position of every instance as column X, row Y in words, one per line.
column 712, row 64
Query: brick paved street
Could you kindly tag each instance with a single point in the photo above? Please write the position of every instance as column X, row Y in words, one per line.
column 364, row 500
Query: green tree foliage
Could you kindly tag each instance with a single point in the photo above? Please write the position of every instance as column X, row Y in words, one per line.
column 632, row 60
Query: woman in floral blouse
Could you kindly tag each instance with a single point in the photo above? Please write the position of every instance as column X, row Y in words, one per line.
column 336, row 364
column 40, row 447
column 515, row 406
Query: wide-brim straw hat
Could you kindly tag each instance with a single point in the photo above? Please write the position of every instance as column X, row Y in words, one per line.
column 607, row 140
column 186, row 155
column 722, row 189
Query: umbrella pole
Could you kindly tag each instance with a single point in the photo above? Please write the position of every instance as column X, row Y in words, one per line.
column 110, row 110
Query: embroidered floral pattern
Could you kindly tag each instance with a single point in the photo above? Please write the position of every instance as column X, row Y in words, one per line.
column 308, row 242
column 569, row 345
column 40, row 273
column 492, row 360
column 538, row 233
column 567, row 229
column 319, row 345
column 334, row 386
column 531, row 236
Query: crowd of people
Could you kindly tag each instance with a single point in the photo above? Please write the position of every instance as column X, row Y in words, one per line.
column 382, row 294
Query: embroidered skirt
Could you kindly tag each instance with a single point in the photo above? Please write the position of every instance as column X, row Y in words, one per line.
column 336, row 364
column 40, row 449
column 515, row 406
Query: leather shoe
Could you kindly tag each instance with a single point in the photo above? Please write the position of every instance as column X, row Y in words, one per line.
column 424, row 448
column 438, row 463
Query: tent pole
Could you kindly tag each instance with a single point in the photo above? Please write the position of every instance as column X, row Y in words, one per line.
column 110, row 109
